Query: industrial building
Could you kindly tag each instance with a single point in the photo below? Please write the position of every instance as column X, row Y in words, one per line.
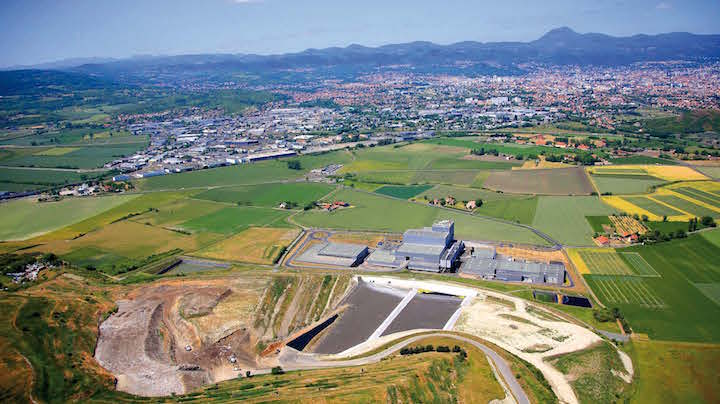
column 336, row 254
column 485, row 263
column 428, row 249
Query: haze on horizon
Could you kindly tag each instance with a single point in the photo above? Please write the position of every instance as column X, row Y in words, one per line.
column 40, row 31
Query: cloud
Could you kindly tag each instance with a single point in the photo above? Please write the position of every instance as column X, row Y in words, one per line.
column 663, row 6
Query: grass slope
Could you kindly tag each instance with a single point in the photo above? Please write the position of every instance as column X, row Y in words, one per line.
column 270, row 195
column 25, row 218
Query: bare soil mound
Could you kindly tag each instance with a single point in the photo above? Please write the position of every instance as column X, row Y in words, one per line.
column 157, row 343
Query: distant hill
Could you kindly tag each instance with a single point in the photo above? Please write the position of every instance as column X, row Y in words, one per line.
column 688, row 122
column 31, row 81
column 561, row 46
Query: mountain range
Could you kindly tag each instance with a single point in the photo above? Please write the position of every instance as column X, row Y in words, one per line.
column 561, row 46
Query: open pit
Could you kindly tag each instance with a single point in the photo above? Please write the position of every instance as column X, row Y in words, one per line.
column 176, row 336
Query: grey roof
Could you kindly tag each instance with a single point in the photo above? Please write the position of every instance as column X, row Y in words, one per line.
column 426, row 232
column 487, row 266
column 482, row 252
column 382, row 257
column 312, row 255
column 343, row 250
column 412, row 249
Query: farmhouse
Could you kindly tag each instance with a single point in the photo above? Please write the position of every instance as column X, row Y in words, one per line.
column 484, row 262
column 428, row 249
column 339, row 254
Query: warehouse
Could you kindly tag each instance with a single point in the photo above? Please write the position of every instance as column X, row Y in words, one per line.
column 427, row 249
column 337, row 254
column 485, row 263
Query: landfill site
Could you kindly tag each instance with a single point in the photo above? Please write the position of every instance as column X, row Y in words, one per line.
column 175, row 336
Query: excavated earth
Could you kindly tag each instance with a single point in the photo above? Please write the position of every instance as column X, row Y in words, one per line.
column 144, row 343
column 175, row 336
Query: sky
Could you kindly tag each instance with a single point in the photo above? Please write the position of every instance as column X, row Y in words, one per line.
column 39, row 31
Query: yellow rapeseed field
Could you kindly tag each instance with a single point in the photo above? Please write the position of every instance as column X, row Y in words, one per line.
column 668, row 173
column 581, row 266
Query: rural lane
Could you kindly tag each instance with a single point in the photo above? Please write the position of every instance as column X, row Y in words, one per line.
column 291, row 359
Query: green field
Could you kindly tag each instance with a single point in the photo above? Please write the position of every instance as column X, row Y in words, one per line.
column 402, row 192
column 623, row 185
column 177, row 211
column 464, row 193
column 624, row 290
column 605, row 262
column 610, row 262
column 554, row 181
column 473, row 178
column 652, row 206
column 642, row 160
column 397, row 177
column 447, row 163
column 638, row 264
column 245, row 174
column 513, row 149
column 521, row 210
column 563, row 217
column 687, row 206
column 79, row 157
column 710, row 171
column 421, row 163
column 374, row 212
column 139, row 205
column 234, row 219
column 597, row 222
column 26, row 218
column 712, row 236
column 669, row 306
column 270, row 195
column 675, row 372
column 25, row 179
column 700, row 195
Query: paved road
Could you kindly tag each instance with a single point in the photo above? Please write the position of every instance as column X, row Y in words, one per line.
column 291, row 359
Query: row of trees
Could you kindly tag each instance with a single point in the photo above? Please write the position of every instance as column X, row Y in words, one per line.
column 430, row 348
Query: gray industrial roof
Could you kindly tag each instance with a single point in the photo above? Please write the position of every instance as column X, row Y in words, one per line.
column 343, row 250
column 486, row 265
column 382, row 257
column 411, row 249
column 426, row 232
column 483, row 252
column 312, row 255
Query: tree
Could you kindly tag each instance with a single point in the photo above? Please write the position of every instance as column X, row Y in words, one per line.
column 478, row 202
column 645, row 218
column 707, row 221
column 277, row 370
column 294, row 164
